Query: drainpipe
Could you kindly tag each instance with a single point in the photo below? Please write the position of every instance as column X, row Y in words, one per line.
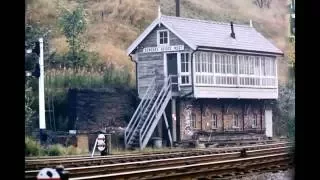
column 192, row 77
column 136, row 70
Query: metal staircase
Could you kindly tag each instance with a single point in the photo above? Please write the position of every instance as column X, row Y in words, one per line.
column 148, row 114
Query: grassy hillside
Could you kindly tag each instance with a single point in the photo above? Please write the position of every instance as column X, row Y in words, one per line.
column 114, row 24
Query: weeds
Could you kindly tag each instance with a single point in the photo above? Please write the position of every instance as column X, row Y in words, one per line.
column 33, row 148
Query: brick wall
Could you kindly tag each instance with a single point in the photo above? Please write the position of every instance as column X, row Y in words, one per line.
column 202, row 110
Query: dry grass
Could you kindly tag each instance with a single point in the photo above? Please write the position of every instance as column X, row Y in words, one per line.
column 123, row 21
column 41, row 11
column 59, row 44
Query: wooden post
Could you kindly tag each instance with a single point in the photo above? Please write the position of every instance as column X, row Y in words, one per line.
column 201, row 111
column 108, row 143
column 243, row 114
column 174, row 121
column 261, row 113
column 159, row 128
column 222, row 118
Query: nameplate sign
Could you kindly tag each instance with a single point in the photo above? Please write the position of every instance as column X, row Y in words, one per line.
column 163, row 49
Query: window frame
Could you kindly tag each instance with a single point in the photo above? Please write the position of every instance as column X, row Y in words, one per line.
column 235, row 122
column 214, row 121
column 158, row 37
column 255, row 121
column 193, row 119
column 185, row 74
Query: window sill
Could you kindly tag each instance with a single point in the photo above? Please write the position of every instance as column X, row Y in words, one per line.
column 163, row 45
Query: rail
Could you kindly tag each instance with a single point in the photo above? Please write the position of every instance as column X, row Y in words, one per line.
column 173, row 162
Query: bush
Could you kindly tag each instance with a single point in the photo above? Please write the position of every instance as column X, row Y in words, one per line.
column 55, row 150
column 32, row 148
column 72, row 150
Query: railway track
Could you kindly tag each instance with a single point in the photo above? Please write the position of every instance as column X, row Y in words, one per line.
column 208, row 170
column 40, row 158
column 124, row 168
column 89, row 161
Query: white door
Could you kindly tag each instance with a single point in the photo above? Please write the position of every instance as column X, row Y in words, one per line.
column 268, row 121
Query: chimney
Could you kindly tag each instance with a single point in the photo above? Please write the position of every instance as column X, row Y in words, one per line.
column 178, row 8
column 233, row 35
column 159, row 11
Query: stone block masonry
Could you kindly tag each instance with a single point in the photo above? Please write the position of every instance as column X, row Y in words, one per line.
column 96, row 109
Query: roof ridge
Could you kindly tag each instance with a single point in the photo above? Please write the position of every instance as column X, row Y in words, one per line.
column 207, row 21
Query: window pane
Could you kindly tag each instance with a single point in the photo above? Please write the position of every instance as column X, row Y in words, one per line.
column 234, row 65
column 217, row 63
column 183, row 79
column 182, row 57
column 165, row 34
column 187, row 66
column 223, row 64
column 163, row 37
column 193, row 120
column 273, row 63
column 263, row 66
column 257, row 67
column 183, row 67
column 214, row 121
column 165, row 41
column 198, row 63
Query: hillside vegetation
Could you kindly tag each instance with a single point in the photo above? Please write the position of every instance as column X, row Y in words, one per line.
column 114, row 24
column 110, row 27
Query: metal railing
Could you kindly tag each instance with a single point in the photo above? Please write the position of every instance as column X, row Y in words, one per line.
column 148, row 112
column 137, row 114
column 155, row 113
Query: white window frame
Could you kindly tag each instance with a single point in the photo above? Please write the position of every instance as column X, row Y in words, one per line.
column 250, row 66
column 188, row 74
column 235, row 122
column 254, row 120
column 205, row 77
column 193, row 123
column 158, row 38
column 214, row 121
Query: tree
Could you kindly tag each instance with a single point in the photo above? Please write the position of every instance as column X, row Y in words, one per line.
column 73, row 24
column 29, row 112
column 285, row 110
column 292, row 54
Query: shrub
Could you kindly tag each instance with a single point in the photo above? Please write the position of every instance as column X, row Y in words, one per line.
column 32, row 148
column 55, row 150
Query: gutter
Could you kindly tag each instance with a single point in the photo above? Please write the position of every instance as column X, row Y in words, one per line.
column 239, row 51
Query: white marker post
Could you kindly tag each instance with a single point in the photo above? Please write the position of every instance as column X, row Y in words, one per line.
column 42, row 120
column 100, row 143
